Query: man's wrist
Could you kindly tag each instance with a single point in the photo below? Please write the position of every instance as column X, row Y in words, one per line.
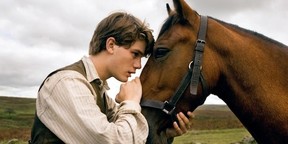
column 129, row 105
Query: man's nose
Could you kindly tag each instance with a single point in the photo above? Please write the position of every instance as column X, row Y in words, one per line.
column 137, row 63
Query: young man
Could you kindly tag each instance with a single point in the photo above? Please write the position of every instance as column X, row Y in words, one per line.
column 72, row 105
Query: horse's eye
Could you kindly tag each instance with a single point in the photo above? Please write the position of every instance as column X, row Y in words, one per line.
column 161, row 52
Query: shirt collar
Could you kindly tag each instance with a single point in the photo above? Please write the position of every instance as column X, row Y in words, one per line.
column 92, row 74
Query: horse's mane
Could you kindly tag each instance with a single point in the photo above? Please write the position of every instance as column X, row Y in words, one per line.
column 265, row 38
column 173, row 19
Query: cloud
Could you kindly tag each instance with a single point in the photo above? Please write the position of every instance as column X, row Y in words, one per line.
column 37, row 37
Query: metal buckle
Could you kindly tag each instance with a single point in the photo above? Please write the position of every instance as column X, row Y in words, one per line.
column 201, row 41
column 168, row 108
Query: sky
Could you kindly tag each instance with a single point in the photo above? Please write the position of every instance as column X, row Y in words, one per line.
column 39, row 36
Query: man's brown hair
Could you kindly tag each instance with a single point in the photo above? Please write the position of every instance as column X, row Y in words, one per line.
column 125, row 28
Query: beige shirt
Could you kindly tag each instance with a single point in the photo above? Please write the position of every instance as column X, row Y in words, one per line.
column 67, row 107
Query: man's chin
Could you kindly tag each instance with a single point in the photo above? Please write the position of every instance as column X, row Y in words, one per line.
column 123, row 79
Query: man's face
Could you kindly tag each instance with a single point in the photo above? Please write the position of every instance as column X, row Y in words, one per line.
column 127, row 60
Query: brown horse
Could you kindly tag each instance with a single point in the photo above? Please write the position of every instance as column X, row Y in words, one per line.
column 247, row 70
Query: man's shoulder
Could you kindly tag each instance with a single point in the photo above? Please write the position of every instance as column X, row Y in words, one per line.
column 66, row 74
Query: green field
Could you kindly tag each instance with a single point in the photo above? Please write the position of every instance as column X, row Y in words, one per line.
column 221, row 136
column 16, row 118
column 213, row 124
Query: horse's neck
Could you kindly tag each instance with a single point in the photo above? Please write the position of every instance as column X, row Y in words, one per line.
column 249, row 65
column 253, row 75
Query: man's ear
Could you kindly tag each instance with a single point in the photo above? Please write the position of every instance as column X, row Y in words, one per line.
column 110, row 44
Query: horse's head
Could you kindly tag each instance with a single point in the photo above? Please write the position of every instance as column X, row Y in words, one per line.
column 236, row 66
column 166, row 68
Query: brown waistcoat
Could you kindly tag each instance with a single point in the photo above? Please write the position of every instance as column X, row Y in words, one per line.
column 40, row 134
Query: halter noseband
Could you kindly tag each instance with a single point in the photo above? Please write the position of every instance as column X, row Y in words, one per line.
column 192, row 77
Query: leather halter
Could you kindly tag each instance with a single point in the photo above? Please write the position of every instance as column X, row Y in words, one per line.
column 192, row 77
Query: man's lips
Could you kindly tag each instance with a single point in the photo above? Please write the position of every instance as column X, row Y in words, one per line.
column 130, row 73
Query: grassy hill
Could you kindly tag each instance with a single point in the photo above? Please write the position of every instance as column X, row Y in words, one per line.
column 16, row 117
column 215, row 124
column 17, row 114
column 209, row 117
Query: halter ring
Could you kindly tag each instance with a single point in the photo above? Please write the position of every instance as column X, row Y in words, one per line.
column 189, row 66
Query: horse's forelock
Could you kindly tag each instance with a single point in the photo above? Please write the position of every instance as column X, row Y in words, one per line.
column 167, row 24
column 170, row 21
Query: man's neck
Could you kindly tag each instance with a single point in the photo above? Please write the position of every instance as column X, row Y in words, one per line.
column 100, row 65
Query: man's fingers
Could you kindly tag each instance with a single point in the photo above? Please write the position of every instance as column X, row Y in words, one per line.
column 178, row 129
column 184, row 118
column 191, row 115
column 183, row 125
column 182, row 122
column 137, row 80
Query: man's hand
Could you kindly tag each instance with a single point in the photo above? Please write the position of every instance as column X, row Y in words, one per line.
column 184, row 122
column 131, row 90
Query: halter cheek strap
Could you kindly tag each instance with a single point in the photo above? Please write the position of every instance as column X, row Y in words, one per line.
column 200, row 43
column 192, row 77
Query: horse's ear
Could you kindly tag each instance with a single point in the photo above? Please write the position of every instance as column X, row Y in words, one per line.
column 182, row 8
column 168, row 9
